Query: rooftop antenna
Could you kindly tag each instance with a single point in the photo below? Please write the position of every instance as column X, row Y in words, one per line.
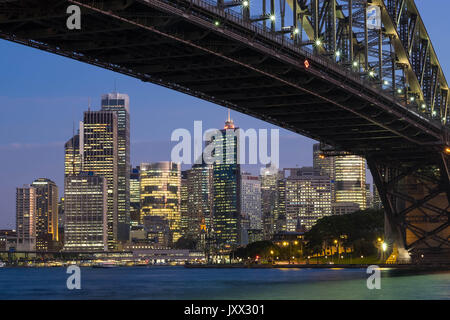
column 229, row 123
column 89, row 104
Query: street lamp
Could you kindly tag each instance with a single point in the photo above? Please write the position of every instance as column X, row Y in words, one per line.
column 384, row 247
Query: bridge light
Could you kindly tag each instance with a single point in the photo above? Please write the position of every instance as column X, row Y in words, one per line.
column 399, row 90
column 434, row 113
column 447, row 150
column 245, row 3
column 296, row 31
column 338, row 53
column 412, row 99
column 371, row 73
column 424, row 105
column 386, row 83
column 216, row 23
column 318, row 42
column 384, row 246
column 355, row 63
column 307, row 64
column 273, row 17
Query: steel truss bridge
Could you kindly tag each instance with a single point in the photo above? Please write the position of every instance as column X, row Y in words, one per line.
column 320, row 68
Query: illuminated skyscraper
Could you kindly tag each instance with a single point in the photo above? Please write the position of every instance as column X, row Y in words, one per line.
column 161, row 192
column 26, row 218
column 326, row 166
column 307, row 198
column 46, row 218
column 184, row 218
column 200, row 197
column 72, row 156
column 347, row 174
column 280, row 205
column 135, row 196
column 251, row 200
column 120, row 104
column 322, row 163
column 226, row 174
column 85, row 207
column 269, row 177
column 98, row 138
column 350, row 181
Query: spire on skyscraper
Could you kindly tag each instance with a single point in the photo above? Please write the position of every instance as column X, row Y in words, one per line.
column 229, row 124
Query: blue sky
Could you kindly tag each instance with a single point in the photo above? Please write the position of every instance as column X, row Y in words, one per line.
column 42, row 95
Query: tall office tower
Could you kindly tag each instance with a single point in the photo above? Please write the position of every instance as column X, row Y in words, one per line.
column 72, row 156
column 61, row 219
column 250, row 204
column 350, row 181
column 326, row 166
column 86, row 207
column 308, row 197
column 184, row 219
column 120, row 104
column 135, row 197
column 347, row 174
column 200, row 199
column 98, row 138
column 46, row 221
column 26, row 218
column 280, row 205
column 269, row 177
column 226, row 174
column 376, row 204
column 160, row 193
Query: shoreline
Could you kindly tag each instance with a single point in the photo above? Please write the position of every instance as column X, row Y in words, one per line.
column 415, row 267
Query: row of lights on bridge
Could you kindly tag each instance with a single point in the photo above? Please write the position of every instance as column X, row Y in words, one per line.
column 319, row 42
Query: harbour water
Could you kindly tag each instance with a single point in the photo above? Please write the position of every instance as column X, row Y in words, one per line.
column 182, row 283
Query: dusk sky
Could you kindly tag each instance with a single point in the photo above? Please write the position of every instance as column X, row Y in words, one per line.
column 42, row 95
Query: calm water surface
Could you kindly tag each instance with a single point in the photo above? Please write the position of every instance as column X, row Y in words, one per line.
column 182, row 283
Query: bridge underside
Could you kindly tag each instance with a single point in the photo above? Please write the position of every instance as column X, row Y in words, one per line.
column 416, row 199
column 195, row 48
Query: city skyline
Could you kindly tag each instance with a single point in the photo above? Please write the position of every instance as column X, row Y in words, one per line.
column 26, row 92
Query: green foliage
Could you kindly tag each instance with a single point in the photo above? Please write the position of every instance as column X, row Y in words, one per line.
column 361, row 229
column 186, row 243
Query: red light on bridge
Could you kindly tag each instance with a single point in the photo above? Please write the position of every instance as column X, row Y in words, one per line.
column 447, row 150
column 306, row 63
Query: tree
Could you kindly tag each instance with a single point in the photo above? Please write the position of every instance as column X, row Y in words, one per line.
column 361, row 229
column 186, row 243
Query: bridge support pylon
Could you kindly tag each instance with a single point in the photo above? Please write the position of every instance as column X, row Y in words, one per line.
column 416, row 199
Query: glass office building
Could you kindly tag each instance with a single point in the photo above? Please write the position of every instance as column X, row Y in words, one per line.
column 161, row 193
column 120, row 104
column 98, row 138
column 85, row 206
